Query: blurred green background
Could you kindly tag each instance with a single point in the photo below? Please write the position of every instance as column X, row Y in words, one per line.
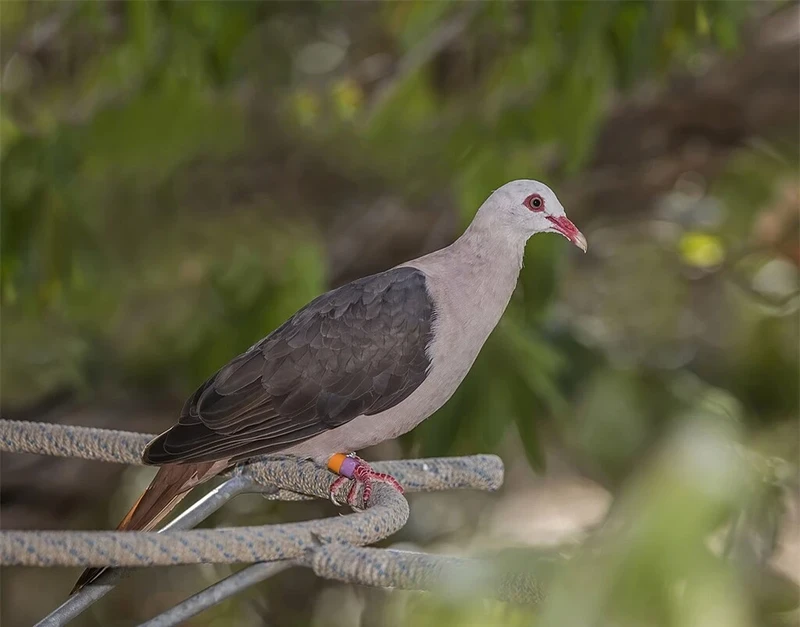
column 180, row 177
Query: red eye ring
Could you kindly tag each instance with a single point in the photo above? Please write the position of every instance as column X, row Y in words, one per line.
column 534, row 202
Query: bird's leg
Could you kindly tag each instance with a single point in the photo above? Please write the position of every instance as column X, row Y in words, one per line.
column 355, row 468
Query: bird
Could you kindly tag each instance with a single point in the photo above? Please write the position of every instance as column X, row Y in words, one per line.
column 363, row 363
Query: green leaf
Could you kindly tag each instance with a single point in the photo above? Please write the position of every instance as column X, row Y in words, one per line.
column 525, row 420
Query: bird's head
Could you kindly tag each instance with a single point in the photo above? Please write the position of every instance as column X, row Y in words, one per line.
column 529, row 207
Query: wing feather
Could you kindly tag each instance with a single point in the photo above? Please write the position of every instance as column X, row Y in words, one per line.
column 360, row 349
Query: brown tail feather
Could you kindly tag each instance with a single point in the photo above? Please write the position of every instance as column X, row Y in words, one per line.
column 168, row 487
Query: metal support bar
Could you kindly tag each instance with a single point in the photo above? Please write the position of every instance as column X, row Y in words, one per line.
column 217, row 592
column 199, row 511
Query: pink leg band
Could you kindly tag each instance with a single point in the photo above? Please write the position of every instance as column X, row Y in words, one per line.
column 348, row 467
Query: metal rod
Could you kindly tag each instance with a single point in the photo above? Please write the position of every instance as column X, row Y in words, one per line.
column 217, row 592
column 199, row 511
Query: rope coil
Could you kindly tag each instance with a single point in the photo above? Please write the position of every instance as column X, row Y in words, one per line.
column 329, row 546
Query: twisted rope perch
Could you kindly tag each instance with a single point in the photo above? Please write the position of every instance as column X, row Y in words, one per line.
column 328, row 546
column 478, row 472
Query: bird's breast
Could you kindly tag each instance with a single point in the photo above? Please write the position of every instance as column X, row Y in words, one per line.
column 467, row 306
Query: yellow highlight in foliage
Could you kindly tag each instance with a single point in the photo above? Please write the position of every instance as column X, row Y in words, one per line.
column 348, row 96
column 703, row 24
column 702, row 250
column 306, row 107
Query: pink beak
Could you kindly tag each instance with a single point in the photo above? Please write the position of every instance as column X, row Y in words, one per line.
column 567, row 229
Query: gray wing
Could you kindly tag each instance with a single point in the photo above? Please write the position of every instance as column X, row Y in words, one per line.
column 359, row 349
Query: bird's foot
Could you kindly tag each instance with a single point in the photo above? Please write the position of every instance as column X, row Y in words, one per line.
column 362, row 474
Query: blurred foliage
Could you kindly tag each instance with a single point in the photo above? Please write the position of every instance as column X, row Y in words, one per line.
column 171, row 172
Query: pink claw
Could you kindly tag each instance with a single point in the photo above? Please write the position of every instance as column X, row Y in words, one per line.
column 335, row 488
column 363, row 474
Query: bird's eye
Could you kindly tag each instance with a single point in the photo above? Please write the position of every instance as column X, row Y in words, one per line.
column 535, row 202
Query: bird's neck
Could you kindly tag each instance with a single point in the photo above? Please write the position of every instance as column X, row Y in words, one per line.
column 474, row 277
column 491, row 247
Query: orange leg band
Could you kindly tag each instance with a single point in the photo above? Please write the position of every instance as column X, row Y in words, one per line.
column 335, row 462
